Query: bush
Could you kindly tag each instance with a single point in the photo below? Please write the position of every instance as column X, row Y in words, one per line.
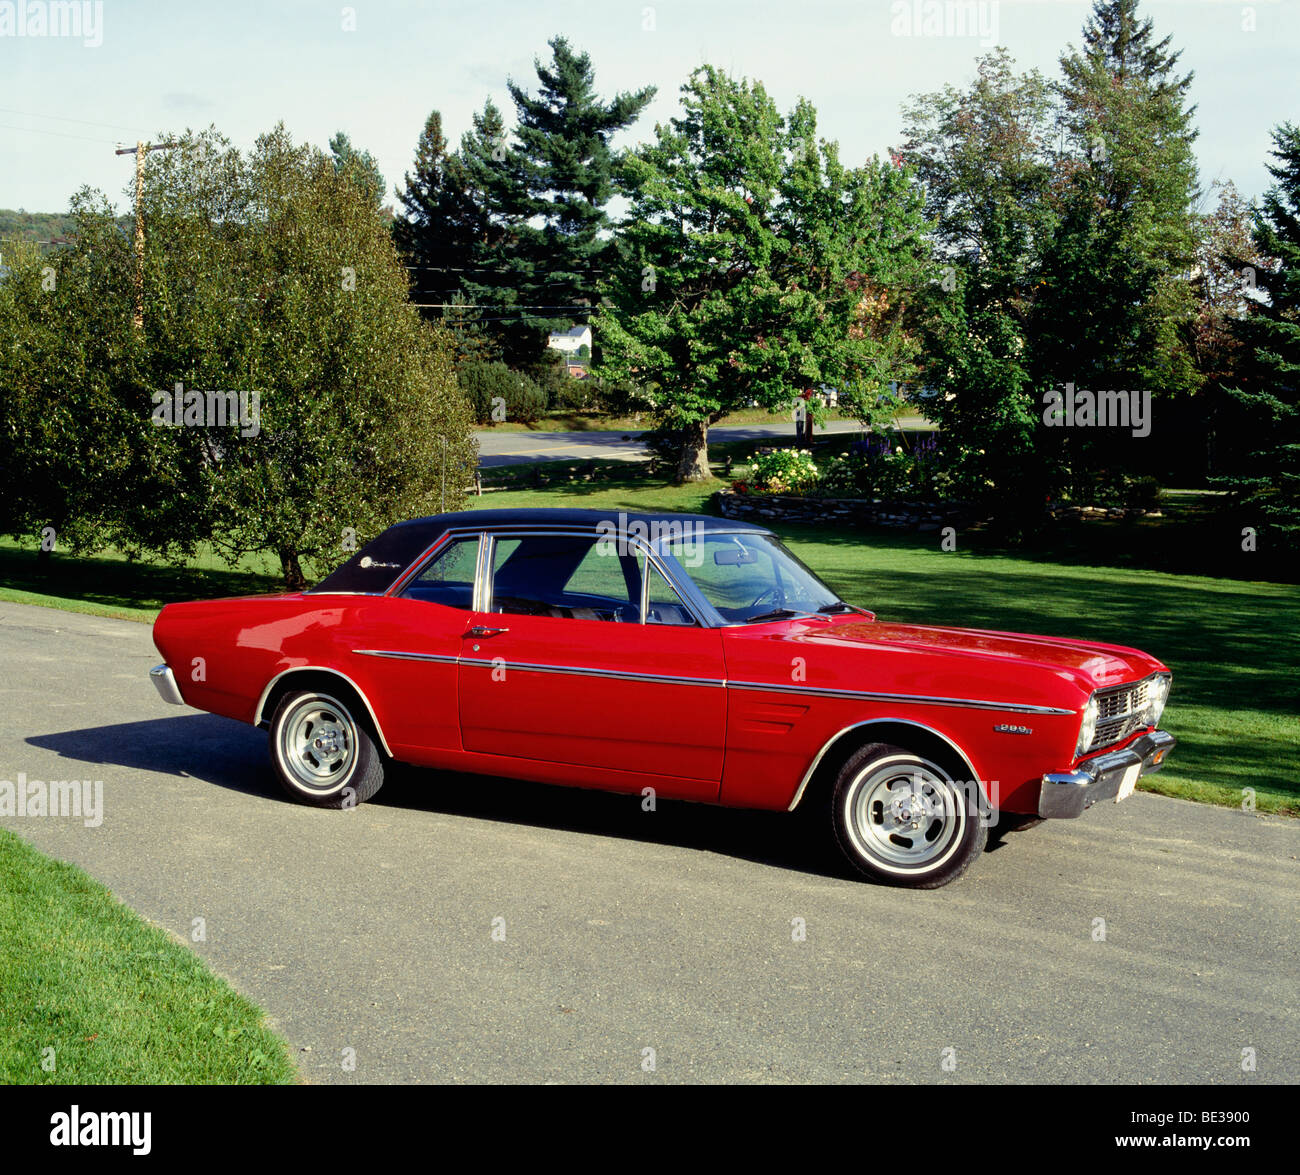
column 496, row 393
column 580, row 395
column 1142, row 493
column 786, row 471
column 879, row 469
column 550, row 373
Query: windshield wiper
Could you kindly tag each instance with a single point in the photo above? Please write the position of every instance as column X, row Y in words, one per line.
column 838, row 606
column 777, row 614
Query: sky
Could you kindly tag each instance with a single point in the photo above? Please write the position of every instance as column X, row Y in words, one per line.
column 375, row 68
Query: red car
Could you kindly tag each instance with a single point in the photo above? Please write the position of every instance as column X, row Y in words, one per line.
column 682, row 656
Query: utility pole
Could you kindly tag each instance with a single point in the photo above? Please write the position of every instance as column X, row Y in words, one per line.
column 140, row 150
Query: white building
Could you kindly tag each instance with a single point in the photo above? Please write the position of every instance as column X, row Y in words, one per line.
column 569, row 341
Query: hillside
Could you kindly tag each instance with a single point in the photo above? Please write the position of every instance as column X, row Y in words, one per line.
column 35, row 227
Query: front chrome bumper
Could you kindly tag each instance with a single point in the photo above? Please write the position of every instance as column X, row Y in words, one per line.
column 162, row 678
column 1069, row 793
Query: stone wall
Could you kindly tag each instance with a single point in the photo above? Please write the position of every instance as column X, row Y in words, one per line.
column 763, row 508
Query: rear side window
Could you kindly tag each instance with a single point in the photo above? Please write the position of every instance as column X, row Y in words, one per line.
column 448, row 578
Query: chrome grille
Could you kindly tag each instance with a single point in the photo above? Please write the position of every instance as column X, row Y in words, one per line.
column 1119, row 713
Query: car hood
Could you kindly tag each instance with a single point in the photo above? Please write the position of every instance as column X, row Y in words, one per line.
column 1092, row 665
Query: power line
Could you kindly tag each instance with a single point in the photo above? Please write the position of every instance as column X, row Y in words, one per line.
column 112, row 126
column 35, row 130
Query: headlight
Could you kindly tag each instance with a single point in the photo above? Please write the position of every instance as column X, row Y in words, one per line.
column 1157, row 696
column 1089, row 727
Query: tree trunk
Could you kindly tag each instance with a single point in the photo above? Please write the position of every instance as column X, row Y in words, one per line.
column 294, row 579
column 693, row 464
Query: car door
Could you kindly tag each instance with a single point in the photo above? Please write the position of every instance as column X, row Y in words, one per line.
column 408, row 645
column 585, row 655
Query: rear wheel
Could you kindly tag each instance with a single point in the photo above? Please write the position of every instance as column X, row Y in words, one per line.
column 903, row 819
column 322, row 753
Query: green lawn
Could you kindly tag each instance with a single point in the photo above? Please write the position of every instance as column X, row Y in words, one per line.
column 119, row 1001
column 110, row 585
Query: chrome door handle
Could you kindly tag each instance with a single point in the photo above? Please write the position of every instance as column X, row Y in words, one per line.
column 483, row 630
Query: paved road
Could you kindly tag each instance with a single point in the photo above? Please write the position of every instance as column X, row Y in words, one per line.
column 372, row 929
column 522, row 448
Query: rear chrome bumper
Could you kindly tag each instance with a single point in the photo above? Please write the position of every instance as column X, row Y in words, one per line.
column 1067, row 794
column 162, row 678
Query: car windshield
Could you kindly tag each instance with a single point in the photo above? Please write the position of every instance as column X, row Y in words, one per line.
column 751, row 577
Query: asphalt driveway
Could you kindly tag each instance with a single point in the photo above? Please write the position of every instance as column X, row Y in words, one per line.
column 523, row 448
column 460, row 929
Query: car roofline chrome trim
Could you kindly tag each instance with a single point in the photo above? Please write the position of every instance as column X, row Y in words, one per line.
column 686, row 592
column 830, row 742
column 258, row 717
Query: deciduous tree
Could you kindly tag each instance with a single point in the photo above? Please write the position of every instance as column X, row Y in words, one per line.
column 746, row 254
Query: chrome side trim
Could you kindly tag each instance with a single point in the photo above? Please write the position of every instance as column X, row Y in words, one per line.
column 913, row 699
column 617, row 675
column 576, row 671
column 165, row 682
column 258, row 718
column 812, row 767
column 400, row 656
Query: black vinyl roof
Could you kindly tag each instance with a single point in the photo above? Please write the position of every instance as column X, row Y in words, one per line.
column 381, row 562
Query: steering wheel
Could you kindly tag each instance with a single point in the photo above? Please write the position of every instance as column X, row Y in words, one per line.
column 778, row 596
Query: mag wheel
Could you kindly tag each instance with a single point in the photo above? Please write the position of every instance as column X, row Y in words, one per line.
column 901, row 818
column 321, row 753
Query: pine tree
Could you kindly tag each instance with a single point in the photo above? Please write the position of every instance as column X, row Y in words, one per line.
column 444, row 222
column 1117, row 306
column 358, row 166
column 1266, row 481
column 474, row 342
column 498, row 273
column 564, row 162
column 516, row 221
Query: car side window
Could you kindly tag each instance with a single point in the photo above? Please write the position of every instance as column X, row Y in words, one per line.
column 448, row 578
column 569, row 577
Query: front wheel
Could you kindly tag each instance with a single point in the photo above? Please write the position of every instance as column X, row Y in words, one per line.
column 322, row 754
column 902, row 819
